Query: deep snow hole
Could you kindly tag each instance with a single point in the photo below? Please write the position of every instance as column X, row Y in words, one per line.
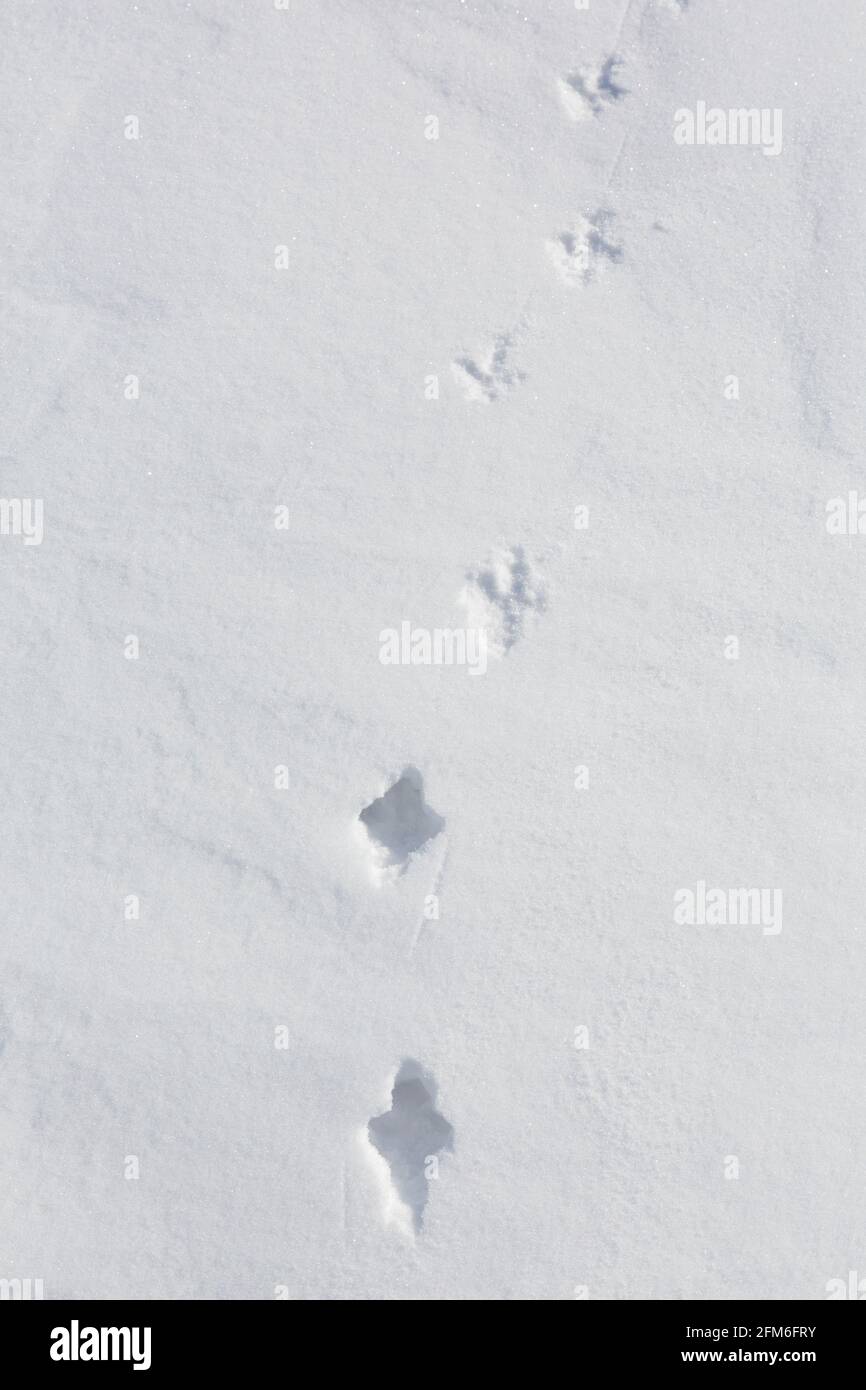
column 400, row 823
column 410, row 1136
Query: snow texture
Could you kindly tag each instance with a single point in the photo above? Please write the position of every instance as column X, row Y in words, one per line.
column 374, row 981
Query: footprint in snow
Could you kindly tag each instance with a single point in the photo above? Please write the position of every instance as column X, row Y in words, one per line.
column 583, row 252
column 409, row 1138
column 586, row 93
column 491, row 377
column 500, row 595
column 398, row 825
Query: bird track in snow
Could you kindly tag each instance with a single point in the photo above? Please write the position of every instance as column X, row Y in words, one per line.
column 500, row 594
column 582, row 252
column 587, row 92
column 489, row 377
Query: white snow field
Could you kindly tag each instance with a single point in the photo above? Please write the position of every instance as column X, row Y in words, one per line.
column 411, row 396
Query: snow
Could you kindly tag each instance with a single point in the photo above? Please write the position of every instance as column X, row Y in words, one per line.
column 285, row 295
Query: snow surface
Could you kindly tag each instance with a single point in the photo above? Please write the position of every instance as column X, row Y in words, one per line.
column 581, row 287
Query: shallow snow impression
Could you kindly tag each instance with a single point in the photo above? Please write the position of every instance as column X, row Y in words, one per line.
column 490, row 375
column 585, row 94
column 582, row 252
column 500, row 595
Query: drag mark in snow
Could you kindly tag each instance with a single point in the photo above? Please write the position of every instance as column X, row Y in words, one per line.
column 499, row 595
column 616, row 162
column 434, row 893
column 344, row 1205
column 409, row 1138
column 490, row 378
column 585, row 94
column 398, row 824
column 581, row 253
